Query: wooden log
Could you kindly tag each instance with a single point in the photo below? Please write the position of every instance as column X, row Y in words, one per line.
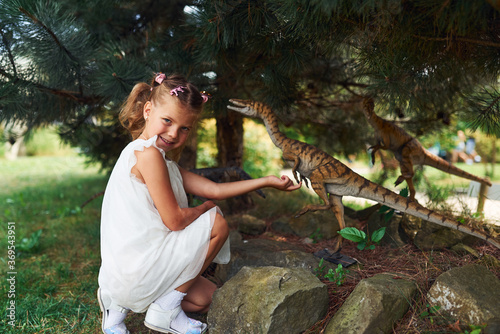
column 483, row 191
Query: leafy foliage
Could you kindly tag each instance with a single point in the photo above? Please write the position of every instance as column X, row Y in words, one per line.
column 338, row 276
column 361, row 238
column 427, row 62
column 389, row 212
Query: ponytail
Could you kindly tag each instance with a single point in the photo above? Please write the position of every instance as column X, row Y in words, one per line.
column 131, row 115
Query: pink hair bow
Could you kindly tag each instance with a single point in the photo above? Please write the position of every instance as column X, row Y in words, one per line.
column 177, row 90
column 160, row 77
column 205, row 96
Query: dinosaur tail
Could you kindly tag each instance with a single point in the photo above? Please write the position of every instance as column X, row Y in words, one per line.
column 384, row 196
column 443, row 165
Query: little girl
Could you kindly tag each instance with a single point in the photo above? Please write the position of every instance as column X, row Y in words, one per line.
column 153, row 246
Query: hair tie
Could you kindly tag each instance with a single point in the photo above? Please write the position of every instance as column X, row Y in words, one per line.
column 177, row 90
column 160, row 77
column 205, row 96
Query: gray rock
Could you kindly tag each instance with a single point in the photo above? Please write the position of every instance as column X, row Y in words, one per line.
column 322, row 224
column 248, row 224
column 363, row 214
column 283, row 227
column 462, row 249
column 430, row 236
column 268, row 300
column 489, row 261
column 374, row 306
column 235, row 237
column 264, row 252
column 470, row 294
column 394, row 235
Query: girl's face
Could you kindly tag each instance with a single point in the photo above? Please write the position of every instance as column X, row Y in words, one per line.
column 170, row 121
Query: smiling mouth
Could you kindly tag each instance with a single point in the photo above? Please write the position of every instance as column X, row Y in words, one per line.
column 166, row 141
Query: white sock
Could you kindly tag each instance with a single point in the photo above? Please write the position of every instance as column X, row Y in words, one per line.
column 114, row 318
column 170, row 301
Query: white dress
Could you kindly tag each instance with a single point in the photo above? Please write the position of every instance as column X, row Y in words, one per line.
column 141, row 258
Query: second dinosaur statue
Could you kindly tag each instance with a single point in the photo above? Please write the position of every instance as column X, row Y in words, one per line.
column 331, row 179
column 407, row 150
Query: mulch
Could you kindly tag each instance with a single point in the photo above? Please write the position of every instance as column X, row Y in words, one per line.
column 407, row 262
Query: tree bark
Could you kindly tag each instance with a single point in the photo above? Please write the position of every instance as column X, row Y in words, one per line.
column 188, row 156
column 230, row 140
column 493, row 156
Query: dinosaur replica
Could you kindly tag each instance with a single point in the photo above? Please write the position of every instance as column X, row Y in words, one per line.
column 331, row 179
column 407, row 150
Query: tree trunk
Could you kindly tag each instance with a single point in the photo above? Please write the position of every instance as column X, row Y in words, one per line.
column 188, row 156
column 230, row 140
column 493, row 156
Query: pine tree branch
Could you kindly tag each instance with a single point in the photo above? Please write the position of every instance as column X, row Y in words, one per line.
column 347, row 86
column 50, row 32
column 9, row 53
column 75, row 96
column 58, row 42
column 459, row 39
column 491, row 105
column 77, row 124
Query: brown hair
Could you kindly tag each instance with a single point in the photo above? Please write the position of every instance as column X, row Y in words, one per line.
column 131, row 114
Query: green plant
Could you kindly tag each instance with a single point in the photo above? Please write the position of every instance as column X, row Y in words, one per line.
column 320, row 269
column 316, row 236
column 474, row 329
column 363, row 240
column 430, row 312
column 338, row 275
column 438, row 194
column 389, row 212
column 30, row 244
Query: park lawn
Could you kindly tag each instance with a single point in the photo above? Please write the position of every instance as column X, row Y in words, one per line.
column 441, row 178
column 55, row 271
column 429, row 175
column 57, row 242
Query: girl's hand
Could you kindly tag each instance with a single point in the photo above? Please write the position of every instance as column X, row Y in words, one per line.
column 284, row 183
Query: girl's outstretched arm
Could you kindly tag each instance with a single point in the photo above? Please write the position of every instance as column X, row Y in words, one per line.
column 152, row 170
column 203, row 187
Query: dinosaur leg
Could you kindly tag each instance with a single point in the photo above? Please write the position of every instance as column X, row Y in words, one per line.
column 373, row 149
column 406, row 166
column 319, row 188
column 411, row 188
column 338, row 211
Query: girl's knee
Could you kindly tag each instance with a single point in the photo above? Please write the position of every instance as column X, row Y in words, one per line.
column 199, row 296
column 220, row 227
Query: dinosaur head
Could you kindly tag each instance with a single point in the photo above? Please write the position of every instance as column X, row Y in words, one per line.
column 246, row 107
column 368, row 106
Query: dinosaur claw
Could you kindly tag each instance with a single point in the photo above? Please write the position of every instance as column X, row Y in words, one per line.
column 298, row 214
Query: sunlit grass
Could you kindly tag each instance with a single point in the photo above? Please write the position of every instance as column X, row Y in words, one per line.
column 56, row 269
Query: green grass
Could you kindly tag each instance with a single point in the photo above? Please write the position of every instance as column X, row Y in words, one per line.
column 57, row 243
column 440, row 178
column 435, row 176
column 56, row 271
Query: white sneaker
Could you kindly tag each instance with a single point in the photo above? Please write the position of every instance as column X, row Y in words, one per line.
column 104, row 304
column 160, row 320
